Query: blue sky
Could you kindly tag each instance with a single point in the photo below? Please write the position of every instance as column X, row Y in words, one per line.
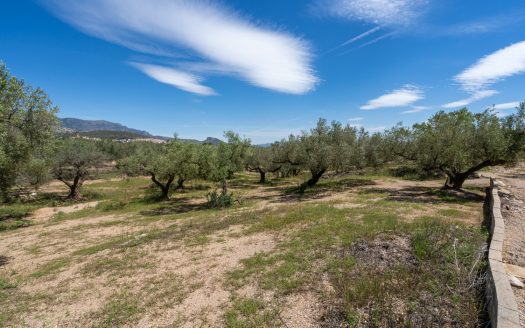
column 266, row 68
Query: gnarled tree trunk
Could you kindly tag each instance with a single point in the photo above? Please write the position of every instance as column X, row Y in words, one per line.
column 74, row 187
column 165, row 188
column 180, row 183
column 316, row 175
column 455, row 180
column 262, row 175
column 224, row 186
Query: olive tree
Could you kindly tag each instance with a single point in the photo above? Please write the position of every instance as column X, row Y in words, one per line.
column 229, row 158
column 73, row 163
column 163, row 163
column 460, row 143
column 260, row 160
column 320, row 149
column 27, row 124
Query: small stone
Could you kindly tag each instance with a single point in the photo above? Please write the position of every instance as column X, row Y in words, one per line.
column 515, row 281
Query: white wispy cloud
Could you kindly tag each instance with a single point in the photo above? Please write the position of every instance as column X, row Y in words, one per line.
column 506, row 20
column 376, row 129
column 382, row 12
column 416, row 109
column 359, row 37
column 478, row 95
column 489, row 70
column 493, row 68
column 213, row 35
column 377, row 39
column 184, row 81
column 355, row 119
column 509, row 105
column 404, row 96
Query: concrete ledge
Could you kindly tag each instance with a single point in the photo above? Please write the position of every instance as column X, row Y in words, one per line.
column 503, row 310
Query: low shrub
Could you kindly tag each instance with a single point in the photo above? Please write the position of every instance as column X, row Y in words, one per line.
column 220, row 200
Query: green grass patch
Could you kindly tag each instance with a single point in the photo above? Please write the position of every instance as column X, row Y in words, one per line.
column 120, row 310
column 120, row 264
column 51, row 267
column 250, row 313
column 450, row 212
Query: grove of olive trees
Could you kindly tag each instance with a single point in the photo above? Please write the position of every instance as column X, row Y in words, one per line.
column 451, row 144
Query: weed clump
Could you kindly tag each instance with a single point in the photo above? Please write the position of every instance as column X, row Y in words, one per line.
column 220, row 200
column 428, row 277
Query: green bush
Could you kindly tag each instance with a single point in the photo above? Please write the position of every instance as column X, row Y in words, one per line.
column 220, row 200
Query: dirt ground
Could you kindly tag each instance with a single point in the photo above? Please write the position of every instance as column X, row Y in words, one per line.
column 63, row 280
column 513, row 210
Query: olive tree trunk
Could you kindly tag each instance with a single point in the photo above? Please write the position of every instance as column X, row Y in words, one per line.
column 262, row 175
column 164, row 187
column 180, row 183
column 316, row 175
column 455, row 180
column 74, row 187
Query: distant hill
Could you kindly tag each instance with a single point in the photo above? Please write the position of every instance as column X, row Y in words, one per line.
column 106, row 134
column 110, row 130
column 77, row 125
column 210, row 140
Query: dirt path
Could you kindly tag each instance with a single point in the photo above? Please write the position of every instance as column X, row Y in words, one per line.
column 513, row 210
column 45, row 213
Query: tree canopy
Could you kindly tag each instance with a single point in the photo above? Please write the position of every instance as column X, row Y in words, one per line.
column 164, row 163
column 73, row 163
column 460, row 143
column 27, row 124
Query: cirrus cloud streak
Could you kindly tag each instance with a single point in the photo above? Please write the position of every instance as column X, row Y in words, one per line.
column 211, row 34
column 493, row 68
column 404, row 96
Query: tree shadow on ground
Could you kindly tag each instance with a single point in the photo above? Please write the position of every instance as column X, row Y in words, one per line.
column 193, row 187
column 319, row 191
column 426, row 195
column 175, row 206
column 330, row 185
column 4, row 260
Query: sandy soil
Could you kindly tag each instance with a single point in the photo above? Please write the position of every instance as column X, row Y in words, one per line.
column 181, row 285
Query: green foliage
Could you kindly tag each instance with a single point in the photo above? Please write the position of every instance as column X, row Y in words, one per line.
column 262, row 161
column 73, row 162
column 220, row 199
column 164, row 163
column 117, row 150
column 27, row 123
column 329, row 147
column 221, row 162
column 460, row 143
column 250, row 313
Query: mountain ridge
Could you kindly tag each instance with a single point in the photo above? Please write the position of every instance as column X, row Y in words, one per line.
column 80, row 125
column 111, row 130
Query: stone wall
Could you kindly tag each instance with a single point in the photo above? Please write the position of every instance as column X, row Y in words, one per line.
column 502, row 306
